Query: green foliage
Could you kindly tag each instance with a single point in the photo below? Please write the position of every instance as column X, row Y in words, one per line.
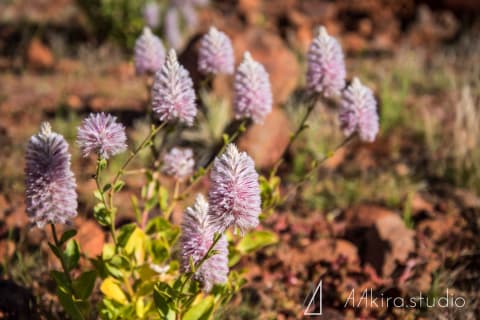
column 255, row 240
column 119, row 19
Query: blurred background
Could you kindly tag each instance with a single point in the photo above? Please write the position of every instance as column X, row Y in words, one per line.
column 400, row 215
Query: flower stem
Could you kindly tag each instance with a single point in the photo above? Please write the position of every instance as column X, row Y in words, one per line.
column 200, row 263
column 230, row 139
column 153, row 131
column 317, row 164
column 311, row 101
column 174, row 201
column 62, row 260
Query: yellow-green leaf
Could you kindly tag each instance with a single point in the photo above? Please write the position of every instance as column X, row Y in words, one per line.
column 201, row 311
column 255, row 240
column 136, row 245
column 111, row 289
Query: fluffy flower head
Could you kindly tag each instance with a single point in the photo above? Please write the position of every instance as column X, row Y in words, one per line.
column 101, row 133
column 234, row 195
column 149, row 53
column 216, row 53
column 179, row 163
column 50, row 194
column 326, row 66
column 197, row 237
column 253, row 94
column 173, row 97
column 358, row 112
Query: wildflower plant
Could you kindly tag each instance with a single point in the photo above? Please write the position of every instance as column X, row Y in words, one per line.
column 153, row 268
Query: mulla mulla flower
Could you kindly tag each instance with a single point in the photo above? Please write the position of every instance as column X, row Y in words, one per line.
column 234, row 195
column 326, row 66
column 253, row 93
column 173, row 96
column 358, row 112
column 50, row 184
column 215, row 55
column 149, row 53
column 101, row 133
column 197, row 238
column 179, row 163
column 151, row 14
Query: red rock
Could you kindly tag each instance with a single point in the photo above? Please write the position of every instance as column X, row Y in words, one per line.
column 353, row 42
column 39, row 56
column 384, row 236
column 90, row 237
column 7, row 248
column 266, row 143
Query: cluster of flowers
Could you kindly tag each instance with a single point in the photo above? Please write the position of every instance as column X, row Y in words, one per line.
column 326, row 75
column 234, row 196
column 173, row 96
column 233, row 200
column 176, row 10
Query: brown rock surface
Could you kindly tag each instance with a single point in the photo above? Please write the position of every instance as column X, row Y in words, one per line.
column 266, row 142
column 382, row 237
column 39, row 56
column 90, row 237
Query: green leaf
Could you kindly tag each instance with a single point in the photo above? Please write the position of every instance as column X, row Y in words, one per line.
column 102, row 164
column 256, row 240
column 118, row 185
column 102, row 215
column 98, row 195
column 106, row 187
column 136, row 207
column 163, row 198
column 55, row 250
column 67, row 235
column 111, row 289
column 225, row 138
column 108, row 251
column 60, row 279
column 124, row 234
column 159, row 250
column 83, row 285
column 201, row 311
column 164, row 304
column 71, row 254
column 71, row 308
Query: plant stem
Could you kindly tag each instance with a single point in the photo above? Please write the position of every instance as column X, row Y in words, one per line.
column 200, row 263
column 153, row 131
column 174, row 201
column 62, row 261
column 312, row 101
column 149, row 84
column 210, row 164
column 317, row 164
column 150, row 191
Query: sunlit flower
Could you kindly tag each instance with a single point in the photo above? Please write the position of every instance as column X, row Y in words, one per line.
column 253, row 94
column 197, row 238
column 149, row 53
column 234, row 195
column 173, row 97
column 358, row 112
column 50, row 194
column 179, row 163
column 216, row 53
column 100, row 133
column 326, row 66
